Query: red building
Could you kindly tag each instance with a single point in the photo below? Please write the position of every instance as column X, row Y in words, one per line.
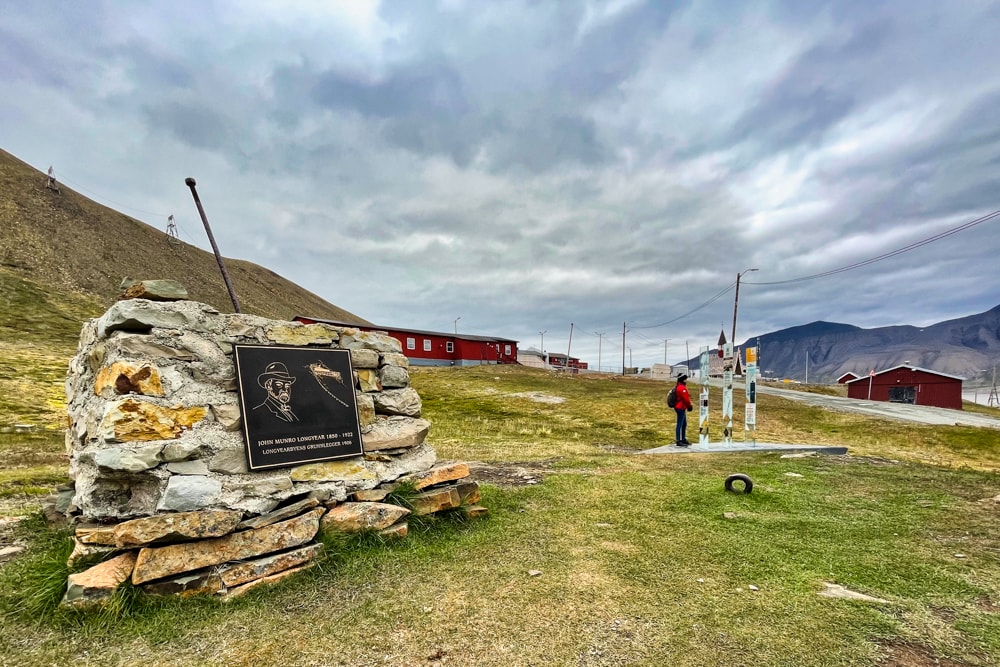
column 909, row 384
column 846, row 377
column 433, row 348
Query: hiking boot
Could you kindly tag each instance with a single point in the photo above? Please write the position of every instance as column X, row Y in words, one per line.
column 682, row 443
column 685, row 442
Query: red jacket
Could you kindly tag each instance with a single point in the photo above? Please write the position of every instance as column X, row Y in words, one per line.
column 683, row 398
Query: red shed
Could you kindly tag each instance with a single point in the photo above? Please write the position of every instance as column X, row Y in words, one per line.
column 433, row 348
column 909, row 384
column 846, row 377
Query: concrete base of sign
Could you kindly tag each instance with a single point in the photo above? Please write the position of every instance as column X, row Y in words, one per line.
column 737, row 446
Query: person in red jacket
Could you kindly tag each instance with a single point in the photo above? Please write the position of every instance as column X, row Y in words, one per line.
column 682, row 407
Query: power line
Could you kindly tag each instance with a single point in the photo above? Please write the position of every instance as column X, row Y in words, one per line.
column 900, row 251
column 110, row 201
column 693, row 310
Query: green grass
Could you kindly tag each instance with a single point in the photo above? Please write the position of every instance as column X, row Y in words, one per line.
column 639, row 564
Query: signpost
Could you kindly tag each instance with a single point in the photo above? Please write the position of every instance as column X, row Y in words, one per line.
column 703, row 398
column 298, row 405
column 750, row 418
column 726, row 350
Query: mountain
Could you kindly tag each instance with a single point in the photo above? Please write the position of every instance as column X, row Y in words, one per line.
column 967, row 347
column 66, row 242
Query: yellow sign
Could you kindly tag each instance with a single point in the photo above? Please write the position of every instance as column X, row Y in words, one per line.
column 751, row 355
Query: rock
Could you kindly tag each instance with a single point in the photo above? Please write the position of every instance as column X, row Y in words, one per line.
column 798, row 455
column 753, row 588
column 839, row 592
column 228, row 415
column 534, row 573
column 9, row 552
column 396, row 532
column 189, row 492
column 219, row 579
column 368, row 380
column 179, row 450
column 229, row 462
column 273, row 579
column 81, row 551
column 435, row 500
column 362, row 358
column 277, row 515
column 474, row 511
column 394, row 359
column 95, row 534
column 366, row 410
column 195, row 467
column 393, row 377
column 404, row 402
column 142, row 316
column 730, row 515
column 445, row 472
column 134, row 459
column 297, row 334
column 369, row 495
column 356, row 517
column 144, row 347
column 176, row 527
column 159, row 562
column 792, row 474
column 131, row 420
column 348, row 470
column 122, row 377
column 154, row 290
column 352, row 339
column 468, row 492
column 98, row 584
column 395, row 433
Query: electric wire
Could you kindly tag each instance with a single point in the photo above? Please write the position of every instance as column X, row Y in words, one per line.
column 77, row 186
column 893, row 253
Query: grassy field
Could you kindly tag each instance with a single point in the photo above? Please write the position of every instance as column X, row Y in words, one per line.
column 613, row 558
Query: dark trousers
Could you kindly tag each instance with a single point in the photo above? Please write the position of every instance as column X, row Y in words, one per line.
column 682, row 423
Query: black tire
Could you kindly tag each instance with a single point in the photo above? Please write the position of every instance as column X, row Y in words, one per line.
column 739, row 477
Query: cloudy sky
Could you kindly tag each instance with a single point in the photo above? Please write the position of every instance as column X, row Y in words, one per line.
column 528, row 165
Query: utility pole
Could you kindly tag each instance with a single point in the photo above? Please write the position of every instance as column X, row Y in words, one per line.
column 570, row 344
column 600, row 339
column 665, row 351
column 807, row 366
column 190, row 182
column 456, row 324
column 545, row 358
column 623, row 347
column 687, row 360
column 736, row 302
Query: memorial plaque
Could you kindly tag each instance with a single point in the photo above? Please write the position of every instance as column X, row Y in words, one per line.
column 298, row 405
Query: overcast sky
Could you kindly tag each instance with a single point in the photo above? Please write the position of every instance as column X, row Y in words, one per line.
column 527, row 165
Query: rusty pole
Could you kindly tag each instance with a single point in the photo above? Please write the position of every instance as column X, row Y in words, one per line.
column 215, row 248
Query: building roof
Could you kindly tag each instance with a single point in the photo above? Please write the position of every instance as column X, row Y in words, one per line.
column 908, row 367
column 848, row 373
column 379, row 327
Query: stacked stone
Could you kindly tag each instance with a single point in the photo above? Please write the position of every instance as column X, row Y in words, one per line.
column 217, row 552
column 158, row 461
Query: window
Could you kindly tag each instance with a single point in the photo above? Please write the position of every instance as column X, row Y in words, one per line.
column 449, row 346
column 506, row 349
column 411, row 343
column 427, row 345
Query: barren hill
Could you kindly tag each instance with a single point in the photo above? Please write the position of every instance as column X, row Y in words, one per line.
column 66, row 242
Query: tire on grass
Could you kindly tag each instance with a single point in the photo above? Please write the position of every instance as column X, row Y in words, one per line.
column 739, row 477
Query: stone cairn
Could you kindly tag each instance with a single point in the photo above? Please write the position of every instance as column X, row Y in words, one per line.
column 161, row 489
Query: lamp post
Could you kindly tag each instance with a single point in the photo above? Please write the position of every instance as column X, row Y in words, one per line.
column 456, row 324
column 665, row 351
column 736, row 302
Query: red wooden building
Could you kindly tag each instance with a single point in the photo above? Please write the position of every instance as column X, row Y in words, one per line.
column 433, row 348
column 847, row 377
column 909, row 384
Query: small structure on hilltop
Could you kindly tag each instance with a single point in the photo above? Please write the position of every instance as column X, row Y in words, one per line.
column 909, row 384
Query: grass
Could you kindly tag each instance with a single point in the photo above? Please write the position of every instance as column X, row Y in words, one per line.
column 638, row 561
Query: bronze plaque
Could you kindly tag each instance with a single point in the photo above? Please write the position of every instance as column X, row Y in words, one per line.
column 298, row 405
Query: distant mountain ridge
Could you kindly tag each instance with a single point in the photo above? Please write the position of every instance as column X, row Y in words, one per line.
column 967, row 347
column 64, row 241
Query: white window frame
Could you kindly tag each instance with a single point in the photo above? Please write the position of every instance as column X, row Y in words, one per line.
column 427, row 345
column 506, row 349
column 411, row 343
column 449, row 347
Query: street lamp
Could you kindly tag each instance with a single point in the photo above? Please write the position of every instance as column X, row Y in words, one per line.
column 736, row 302
column 456, row 324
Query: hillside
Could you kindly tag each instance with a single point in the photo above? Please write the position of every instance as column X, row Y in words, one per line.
column 967, row 347
column 68, row 242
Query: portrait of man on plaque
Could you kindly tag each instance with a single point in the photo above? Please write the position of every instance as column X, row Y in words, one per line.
column 298, row 405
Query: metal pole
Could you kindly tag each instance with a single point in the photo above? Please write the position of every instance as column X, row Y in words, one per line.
column 665, row 351
column 215, row 248
column 600, row 339
column 623, row 348
column 736, row 303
